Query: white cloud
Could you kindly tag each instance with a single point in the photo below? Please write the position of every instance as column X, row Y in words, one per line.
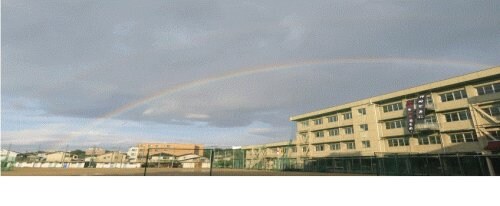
column 197, row 116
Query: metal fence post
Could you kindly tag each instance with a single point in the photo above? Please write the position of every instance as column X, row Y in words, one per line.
column 489, row 163
column 460, row 165
column 212, row 153
column 443, row 172
column 146, row 166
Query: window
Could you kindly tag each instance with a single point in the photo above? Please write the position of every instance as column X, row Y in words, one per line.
column 335, row 146
column 495, row 133
column 347, row 115
column 430, row 119
column 493, row 110
column 395, row 124
column 366, row 144
column 294, row 149
column 429, row 99
column 351, row 145
column 433, row 139
column 398, row 142
column 393, row 107
column 304, row 123
column 333, row 132
column 304, row 149
column 332, row 118
column 348, row 130
column 463, row 137
column 318, row 121
column 319, row 148
column 362, row 111
column 488, row 89
column 303, row 135
column 452, row 96
column 363, row 127
column 319, row 134
column 457, row 116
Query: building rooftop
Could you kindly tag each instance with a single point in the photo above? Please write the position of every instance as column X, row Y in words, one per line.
column 486, row 73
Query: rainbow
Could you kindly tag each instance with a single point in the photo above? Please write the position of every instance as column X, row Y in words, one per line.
column 264, row 69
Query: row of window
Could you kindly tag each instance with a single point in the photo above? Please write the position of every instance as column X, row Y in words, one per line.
column 336, row 146
column 457, row 116
column 333, row 118
column 493, row 110
column 463, row 137
column 462, row 94
column 336, row 131
column 488, row 89
column 452, row 96
column 433, row 139
column 397, row 142
column 395, row 124
column 393, row 107
column 330, row 119
column 401, row 123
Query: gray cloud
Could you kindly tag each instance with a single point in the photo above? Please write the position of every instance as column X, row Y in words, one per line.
column 84, row 59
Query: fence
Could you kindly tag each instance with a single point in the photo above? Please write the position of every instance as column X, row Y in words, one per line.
column 409, row 165
column 224, row 161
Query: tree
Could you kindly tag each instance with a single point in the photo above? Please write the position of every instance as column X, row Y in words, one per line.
column 79, row 153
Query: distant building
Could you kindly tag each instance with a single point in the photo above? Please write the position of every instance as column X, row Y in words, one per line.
column 35, row 157
column 169, row 148
column 162, row 157
column 94, row 151
column 8, row 156
column 194, row 161
column 61, row 157
column 132, row 154
column 112, row 157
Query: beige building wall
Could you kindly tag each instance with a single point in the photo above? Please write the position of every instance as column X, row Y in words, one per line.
column 59, row 157
column 112, row 157
column 314, row 139
column 94, row 151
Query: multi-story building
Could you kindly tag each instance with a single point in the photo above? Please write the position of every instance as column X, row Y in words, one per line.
column 168, row 148
column 94, row 151
column 461, row 115
column 132, row 154
column 112, row 157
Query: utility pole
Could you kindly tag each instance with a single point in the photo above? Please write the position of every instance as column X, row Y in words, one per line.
column 159, row 159
column 7, row 157
column 64, row 156
column 146, row 166
column 111, row 160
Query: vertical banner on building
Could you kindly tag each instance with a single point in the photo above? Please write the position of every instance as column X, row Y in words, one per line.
column 421, row 107
column 410, row 111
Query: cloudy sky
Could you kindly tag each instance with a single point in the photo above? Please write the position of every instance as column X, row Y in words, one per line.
column 115, row 73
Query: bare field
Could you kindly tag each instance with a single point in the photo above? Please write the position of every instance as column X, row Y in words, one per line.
column 156, row 172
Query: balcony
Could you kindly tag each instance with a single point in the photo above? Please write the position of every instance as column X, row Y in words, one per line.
column 427, row 127
column 430, row 106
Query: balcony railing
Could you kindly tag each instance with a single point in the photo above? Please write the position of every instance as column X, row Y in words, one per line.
column 426, row 126
column 430, row 106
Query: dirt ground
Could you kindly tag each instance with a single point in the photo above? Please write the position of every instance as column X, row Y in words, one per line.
column 156, row 172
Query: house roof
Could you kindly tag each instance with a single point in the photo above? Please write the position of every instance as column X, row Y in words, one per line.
column 162, row 154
